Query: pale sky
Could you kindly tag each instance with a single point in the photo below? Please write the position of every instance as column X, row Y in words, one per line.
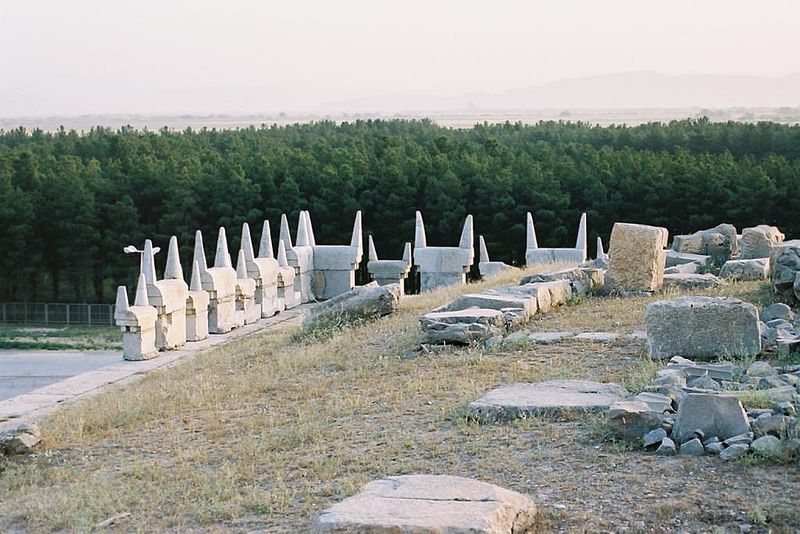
column 182, row 56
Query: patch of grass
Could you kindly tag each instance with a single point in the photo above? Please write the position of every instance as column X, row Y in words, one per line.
column 641, row 374
column 49, row 337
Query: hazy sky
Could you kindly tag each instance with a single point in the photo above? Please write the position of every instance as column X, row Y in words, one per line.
column 174, row 56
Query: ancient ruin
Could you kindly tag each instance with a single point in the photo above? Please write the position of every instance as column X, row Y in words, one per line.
column 443, row 266
column 537, row 256
column 386, row 272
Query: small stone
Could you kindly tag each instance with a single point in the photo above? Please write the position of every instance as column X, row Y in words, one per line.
column 598, row 337
column 699, row 434
column 20, row 438
column 715, row 448
column 693, row 447
column 745, row 439
column 716, row 415
column 515, row 337
column 654, row 437
column 547, row 338
column 755, row 413
column 667, row 448
column 778, row 310
column 791, row 447
column 760, row 369
column 772, row 424
column 734, row 451
column 657, row 402
column 704, row 382
column 630, row 420
column 768, row 446
column 712, row 439
column 787, row 408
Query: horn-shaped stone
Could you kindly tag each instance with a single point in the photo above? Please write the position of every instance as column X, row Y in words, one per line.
column 174, row 270
column 285, row 236
column 122, row 305
column 222, row 257
column 407, row 253
column 581, row 242
column 531, row 242
column 419, row 233
column 484, row 254
column 199, row 252
column 282, row 261
column 357, row 240
column 241, row 266
column 600, row 252
column 373, row 256
column 196, row 284
column 265, row 247
column 310, row 229
column 302, row 231
column 247, row 243
column 467, row 240
column 141, row 292
column 148, row 263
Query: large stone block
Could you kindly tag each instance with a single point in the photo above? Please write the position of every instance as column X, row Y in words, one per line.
column 361, row 302
column 461, row 327
column 784, row 266
column 720, row 242
column 757, row 242
column 702, row 328
column 494, row 302
column 745, row 270
column 636, row 257
column 715, row 415
column 429, row 504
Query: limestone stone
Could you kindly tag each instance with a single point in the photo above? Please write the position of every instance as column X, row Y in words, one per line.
column 715, row 415
column 778, row 310
column 494, row 302
column 667, row 448
column 548, row 338
column 220, row 283
column 657, row 402
column 20, row 438
column 688, row 282
column 720, row 242
column 334, row 266
column 630, row 420
column 429, row 504
column 784, row 265
column 693, row 447
column 167, row 296
column 734, row 451
column 196, row 308
column 137, row 322
column 443, row 266
column 768, row 446
column 361, row 302
column 538, row 291
column 702, row 327
column 583, row 280
column 534, row 255
column 701, row 262
column 758, row 241
column 636, row 257
column 485, row 266
column 745, row 270
column 462, row 326
column 543, row 398
column 262, row 269
column 683, row 268
column 300, row 256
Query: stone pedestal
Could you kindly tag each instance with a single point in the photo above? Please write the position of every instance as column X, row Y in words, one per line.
column 443, row 266
column 534, row 255
column 636, row 257
column 197, row 316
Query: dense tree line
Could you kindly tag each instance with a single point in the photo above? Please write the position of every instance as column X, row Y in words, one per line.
column 69, row 202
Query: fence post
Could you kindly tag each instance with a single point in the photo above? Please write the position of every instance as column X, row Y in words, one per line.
column 110, row 314
column 5, row 317
column 67, row 306
column 89, row 314
column 46, row 313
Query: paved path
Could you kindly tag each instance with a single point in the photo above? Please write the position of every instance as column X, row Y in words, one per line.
column 22, row 371
column 94, row 378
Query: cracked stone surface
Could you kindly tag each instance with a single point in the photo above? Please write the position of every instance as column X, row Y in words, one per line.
column 542, row 398
column 429, row 504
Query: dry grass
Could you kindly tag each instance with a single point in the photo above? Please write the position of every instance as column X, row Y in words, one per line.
column 268, row 430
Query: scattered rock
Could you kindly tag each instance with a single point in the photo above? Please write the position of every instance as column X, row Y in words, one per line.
column 715, row 415
column 20, row 438
column 746, row 438
column 778, row 310
column 693, row 447
column 702, row 327
column 597, row 337
column 543, row 398
column 689, row 282
column 658, row 403
column 701, row 263
column 784, row 266
column 734, row 451
column 630, row 420
column 704, row 382
column 461, row 327
column 757, row 242
column 715, row 448
column 654, row 437
column 494, row 302
column 720, row 242
column 667, row 448
column 429, row 504
column 768, row 446
column 361, row 302
column 772, row 425
column 760, row 368
column 547, row 338
column 745, row 270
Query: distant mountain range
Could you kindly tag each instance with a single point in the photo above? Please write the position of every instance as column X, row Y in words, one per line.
column 639, row 90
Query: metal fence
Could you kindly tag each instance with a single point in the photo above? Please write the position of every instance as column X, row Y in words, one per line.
column 53, row 313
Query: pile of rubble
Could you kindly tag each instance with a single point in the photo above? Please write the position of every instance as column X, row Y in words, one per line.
column 694, row 408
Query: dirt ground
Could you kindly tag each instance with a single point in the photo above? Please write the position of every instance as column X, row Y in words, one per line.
column 264, row 433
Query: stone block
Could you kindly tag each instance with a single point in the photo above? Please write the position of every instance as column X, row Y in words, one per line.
column 757, row 242
column 636, row 257
column 715, row 415
column 745, row 270
column 702, row 328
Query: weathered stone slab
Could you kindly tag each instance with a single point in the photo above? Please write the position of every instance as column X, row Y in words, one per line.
column 745, row 270
column 702, row 328
column 462, row 326
column 20, row 438
column 597, row 337
column 494, row 302
column 784, row 265
column 688, row 282
column 720, row 242
column 716, row 415
column 674, row 259
column 757, row 242
column 539, row 292
column 631, row 420
column 558, row 397
column 583, row 280
column 548, row 338
column 366, row 301
column 636, row 257
column 429, row 504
